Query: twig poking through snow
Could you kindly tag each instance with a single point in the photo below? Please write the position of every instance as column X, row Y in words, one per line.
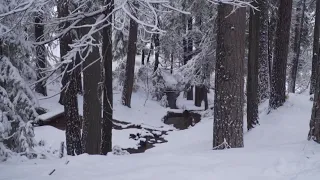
column 52, row 172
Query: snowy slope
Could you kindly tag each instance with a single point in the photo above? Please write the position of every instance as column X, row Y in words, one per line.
column 275, row 150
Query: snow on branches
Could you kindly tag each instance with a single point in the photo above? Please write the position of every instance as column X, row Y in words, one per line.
column 17, row 111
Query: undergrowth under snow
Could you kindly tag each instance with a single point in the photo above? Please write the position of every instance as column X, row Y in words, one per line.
column 277, row 149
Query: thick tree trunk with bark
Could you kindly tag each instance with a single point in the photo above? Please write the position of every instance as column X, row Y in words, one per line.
column 41, row 55
column 69, row 99
column 78, row 71
column 253, row 61
column 157, row 51
column 278, row 80
column 106, row 145
column 200, row 93
column 314, row 132
column 132, row 49
column 63, row 11
column 92, row 97
column 73, row 125
column 263, row 65
column 229, row 78
column 300, row 10
column 272, row 26
column 315, row 56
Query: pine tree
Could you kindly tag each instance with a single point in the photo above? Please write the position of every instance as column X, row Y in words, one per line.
column 157, row 51
column 41, row 55
column 65, row 40
column 106, row 145
column 131, row 55
column 69, row 95
column 189, row 49
column 272, row 26
column 316, row 47
column 300, row 11
column 229, row 77
column 17, row 112
column 253, row 61
column 278, row 79
column 92, row 102
column 263, row 65
column 314, row 132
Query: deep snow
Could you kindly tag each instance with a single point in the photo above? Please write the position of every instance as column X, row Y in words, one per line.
column 276, row 150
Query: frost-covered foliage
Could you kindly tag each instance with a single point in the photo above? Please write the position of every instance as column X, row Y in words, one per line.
column 17, row 111
column 157, row 83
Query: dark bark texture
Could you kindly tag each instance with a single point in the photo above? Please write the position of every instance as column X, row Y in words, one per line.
column 171, row 57
column 65, row 40
column 253, row 61
column 106, row 145
column 229, row 78
column 157, row 51
column 131, row 56
column 189, row 54
column 278, row 80
column 200, row 90
column 73, row 125
column 315, row 56
column 263, row 65
column 1, row 48
column 41, row 55
column 314, row 132
column 69, row 94
column 272, row 26
column 298, row 27
column 92, row 98
column 143, row 52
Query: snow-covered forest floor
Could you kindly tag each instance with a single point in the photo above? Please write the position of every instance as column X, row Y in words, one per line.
column 277, row 149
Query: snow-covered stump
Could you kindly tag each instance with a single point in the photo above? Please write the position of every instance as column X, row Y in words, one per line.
column 182, row 120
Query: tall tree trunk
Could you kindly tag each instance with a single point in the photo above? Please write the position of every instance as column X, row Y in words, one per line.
column 65, row 40
column 41, row 55
column 199, row 95
column 314, row 132
column 200, row 90
column 106, row 145
column 129, row 76
column 229, row 78
column 315, row 57
column 253, row 61
column 92, row 97
column 263, row 65
column 78, row 71
column 143, row 56
column 73, row 125
column 1, row 48
column 171, row 68
column 272, row 26
column 69, row 100
column 189, row 55
column 278, row 82
column 296, row 46
column 157, row 53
